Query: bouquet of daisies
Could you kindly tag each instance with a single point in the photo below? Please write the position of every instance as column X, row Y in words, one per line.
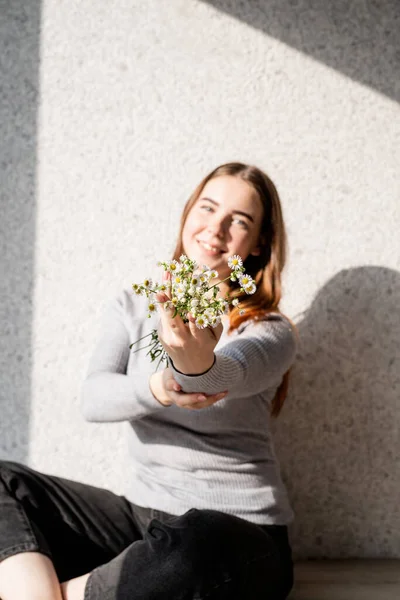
column 191, row 289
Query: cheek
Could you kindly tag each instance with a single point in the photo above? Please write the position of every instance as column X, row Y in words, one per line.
column 243, row 245
column 188, row 232
column 192, row 226
column 242, row 240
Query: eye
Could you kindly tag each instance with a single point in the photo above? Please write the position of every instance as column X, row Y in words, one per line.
column 206, row 207
column 240, row 222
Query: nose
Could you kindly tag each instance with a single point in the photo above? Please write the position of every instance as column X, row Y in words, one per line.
column 217, row 226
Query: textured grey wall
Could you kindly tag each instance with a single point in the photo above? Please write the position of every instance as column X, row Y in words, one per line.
column 136, row 103
column 19, row 79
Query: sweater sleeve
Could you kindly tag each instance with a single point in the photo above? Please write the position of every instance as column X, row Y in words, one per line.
column 109, row 393
column 256, row 359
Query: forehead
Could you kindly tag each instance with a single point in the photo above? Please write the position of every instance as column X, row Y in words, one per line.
column 232, row 193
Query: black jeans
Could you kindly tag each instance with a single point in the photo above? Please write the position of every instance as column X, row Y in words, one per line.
column 136, row 553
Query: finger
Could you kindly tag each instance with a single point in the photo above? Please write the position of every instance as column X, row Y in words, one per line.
column 217, row 331
column 201, row 405
column 207, row 332
column 161, row 297
column 167, row 318
column 164, row 295
column 172, row 386
column 166, row 278
column 185, row 400
column 169, row 381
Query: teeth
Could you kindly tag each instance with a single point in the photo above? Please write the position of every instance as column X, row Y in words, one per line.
column 208, row 247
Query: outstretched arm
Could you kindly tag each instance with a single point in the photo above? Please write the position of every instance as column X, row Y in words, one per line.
column 252, row 362
column 108, row 392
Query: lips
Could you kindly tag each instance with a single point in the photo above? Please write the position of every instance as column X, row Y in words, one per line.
column 210, row 248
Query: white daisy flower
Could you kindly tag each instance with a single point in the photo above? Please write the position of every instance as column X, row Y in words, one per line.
column 204, row 277
column 174, row 266
column 201, row 322
column 213, row 274
column 235, row 301
column 215, row 320
column 224, row 306
column 250, row 289
column 179, row 284
column 147, row 283
column 204, row 302
column 179, row 291
column 245, row 280
column 235, row 261
column 152, row 307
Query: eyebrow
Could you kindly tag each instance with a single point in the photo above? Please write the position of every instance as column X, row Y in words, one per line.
column 236, row 212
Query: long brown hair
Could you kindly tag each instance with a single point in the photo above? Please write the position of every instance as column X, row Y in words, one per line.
column 265, row 268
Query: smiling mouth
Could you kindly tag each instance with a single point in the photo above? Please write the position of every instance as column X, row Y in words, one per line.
column 210, row 249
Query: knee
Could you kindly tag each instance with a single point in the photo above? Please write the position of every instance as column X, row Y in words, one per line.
column 12, row 474
column 8, row 467
column 191, row 532
column 197, row 533
column 200, row 524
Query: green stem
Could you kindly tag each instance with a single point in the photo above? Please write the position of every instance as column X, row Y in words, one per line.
column 140, row 339
column 144, row 348
column 152, row 347
column 158, row 364
column 218, row 282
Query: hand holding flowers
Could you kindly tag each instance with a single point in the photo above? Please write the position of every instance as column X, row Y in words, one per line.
column 189, row 345
column 190, row 322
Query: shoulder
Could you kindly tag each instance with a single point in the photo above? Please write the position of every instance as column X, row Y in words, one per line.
column 127, row 305
column 131, row 303
column 268, row 322
column 274, row 330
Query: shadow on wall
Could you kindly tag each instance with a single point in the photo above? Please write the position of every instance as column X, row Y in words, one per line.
column 338, row 435
column 360, row 38
column 19, row 81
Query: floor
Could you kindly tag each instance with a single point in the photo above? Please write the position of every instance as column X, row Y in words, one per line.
column 363, row 579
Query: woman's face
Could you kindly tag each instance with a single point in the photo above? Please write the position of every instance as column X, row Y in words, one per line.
column 224, row 220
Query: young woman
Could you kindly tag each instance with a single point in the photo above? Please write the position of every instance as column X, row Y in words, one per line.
column 205, row 513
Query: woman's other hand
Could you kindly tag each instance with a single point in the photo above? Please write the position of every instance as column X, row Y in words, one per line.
column 167, row 391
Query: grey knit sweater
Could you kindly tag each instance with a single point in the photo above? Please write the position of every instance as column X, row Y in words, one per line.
column 221, row 457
